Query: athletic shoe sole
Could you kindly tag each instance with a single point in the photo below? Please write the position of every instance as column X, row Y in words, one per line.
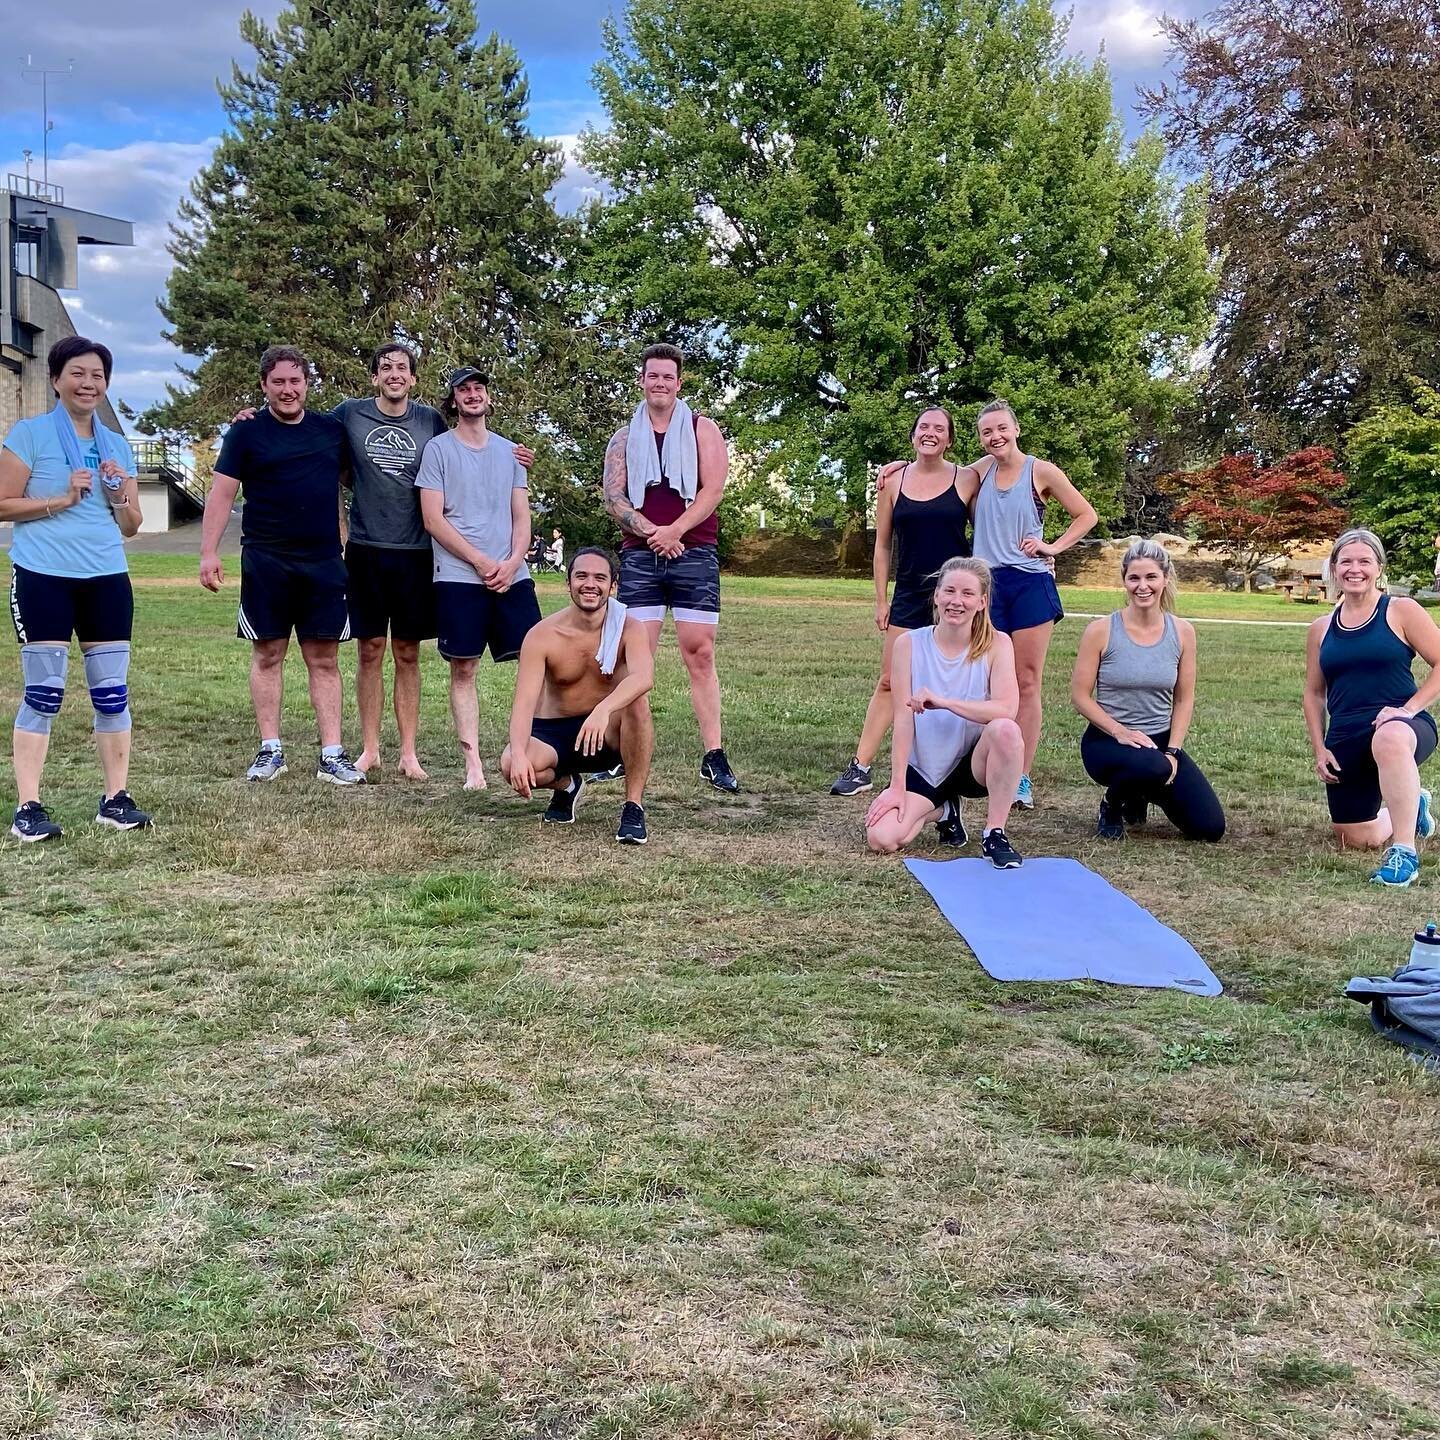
column 632, row 839
column 1027, row 803
column 1395, row 884
column 264, row 779
column 330, row 779
column 855, row 790
column 25, row 839
column 1427, row 815
column 121, row 825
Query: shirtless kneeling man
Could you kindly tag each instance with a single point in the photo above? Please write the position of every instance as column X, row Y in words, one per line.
column 582, row 700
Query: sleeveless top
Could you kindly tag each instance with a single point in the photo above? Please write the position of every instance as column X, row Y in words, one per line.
column 1365, row 669
column 1003, row 518
column 927, row 533
column 943, row 738
column 1136, row 683
column 663, row 505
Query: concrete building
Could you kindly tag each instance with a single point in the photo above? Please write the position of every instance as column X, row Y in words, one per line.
column 40, row 239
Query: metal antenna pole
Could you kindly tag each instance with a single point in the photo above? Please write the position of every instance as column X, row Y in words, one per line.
column 31, row 71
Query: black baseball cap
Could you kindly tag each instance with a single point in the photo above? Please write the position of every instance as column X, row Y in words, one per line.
column 461, row 374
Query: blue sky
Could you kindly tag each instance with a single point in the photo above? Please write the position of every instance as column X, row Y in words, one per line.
column 138, row 117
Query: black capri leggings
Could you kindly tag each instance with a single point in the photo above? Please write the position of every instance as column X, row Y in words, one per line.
column 1130, row 773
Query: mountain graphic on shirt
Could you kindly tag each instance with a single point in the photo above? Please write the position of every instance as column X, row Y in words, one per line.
column 394, row 451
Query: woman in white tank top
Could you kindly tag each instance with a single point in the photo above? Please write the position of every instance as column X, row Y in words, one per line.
column 955, row 732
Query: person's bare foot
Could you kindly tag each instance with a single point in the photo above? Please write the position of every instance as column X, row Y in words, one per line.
column 367, row 761
column 411, row 768
column 475, row 778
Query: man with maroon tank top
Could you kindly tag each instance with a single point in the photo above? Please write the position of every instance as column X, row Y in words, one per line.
column 664, row 475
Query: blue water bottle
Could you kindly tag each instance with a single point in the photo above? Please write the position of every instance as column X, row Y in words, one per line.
column 1426, row 947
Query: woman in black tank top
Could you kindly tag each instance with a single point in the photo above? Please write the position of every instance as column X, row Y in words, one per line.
column 1379, row 731
column 924, row 519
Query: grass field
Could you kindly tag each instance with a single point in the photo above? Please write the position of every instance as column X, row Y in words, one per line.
column 385, row 1114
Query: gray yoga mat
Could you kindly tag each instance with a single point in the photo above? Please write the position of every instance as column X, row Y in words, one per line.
column 1054, row 919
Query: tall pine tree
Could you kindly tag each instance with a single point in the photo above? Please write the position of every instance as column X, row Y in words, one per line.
column 849, row 208
column 377, row 179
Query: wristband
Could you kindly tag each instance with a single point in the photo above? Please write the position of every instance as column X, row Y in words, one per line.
column 1173, row 750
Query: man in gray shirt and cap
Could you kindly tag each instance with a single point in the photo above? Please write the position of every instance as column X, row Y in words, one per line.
column 476, row 507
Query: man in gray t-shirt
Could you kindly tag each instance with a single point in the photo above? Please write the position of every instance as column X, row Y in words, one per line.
column 476, row 508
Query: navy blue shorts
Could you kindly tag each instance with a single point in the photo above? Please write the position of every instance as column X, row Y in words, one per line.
column 280, row 593
column 1356, row 798
column 960, row 782
column 472, row 618
column 689, row 585
column 560, row 734
column 390, row 592
column 1022, row 599
column 51, row 608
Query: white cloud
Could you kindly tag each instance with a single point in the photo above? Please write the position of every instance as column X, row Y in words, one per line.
column 1129, row 32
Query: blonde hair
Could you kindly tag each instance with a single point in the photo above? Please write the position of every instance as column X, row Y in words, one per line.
column 1157, row 554
column 1364, row 537
column 994, row 407
column 982, row 632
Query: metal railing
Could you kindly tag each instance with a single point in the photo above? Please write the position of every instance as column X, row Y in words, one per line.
column 155, row 457
column 33, row 189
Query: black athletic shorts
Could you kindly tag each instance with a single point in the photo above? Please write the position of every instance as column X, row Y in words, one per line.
column 911, row 609
column 280, row 593
column 560, row 735
column 55, row 607
column 959, row 782
column 1356, row 797
column 390, row 592
column 472, row 617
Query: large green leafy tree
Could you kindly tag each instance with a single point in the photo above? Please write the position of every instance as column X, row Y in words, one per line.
column 376, row 179
column 1394, row 456
column 848, row 208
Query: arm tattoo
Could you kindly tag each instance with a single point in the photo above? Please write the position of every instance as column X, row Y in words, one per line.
column 617, row 498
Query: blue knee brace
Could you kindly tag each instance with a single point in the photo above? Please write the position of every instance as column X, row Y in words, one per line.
column 106, row 668
column 42, row 668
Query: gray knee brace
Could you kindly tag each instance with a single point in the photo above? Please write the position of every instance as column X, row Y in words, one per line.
column 42, row 668
column 106, row 668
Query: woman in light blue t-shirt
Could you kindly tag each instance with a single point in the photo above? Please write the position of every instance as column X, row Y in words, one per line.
column 67, row 484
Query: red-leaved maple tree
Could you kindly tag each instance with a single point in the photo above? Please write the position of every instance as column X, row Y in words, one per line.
column 1256, row 515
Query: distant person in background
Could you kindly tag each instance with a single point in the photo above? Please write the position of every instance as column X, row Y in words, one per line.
column 555, row 551
column 67, row 484
column 1134, row 681
column 476, row 508
column 1369, row 722
column 290, row 462
column 665, row 473
column 922, row 509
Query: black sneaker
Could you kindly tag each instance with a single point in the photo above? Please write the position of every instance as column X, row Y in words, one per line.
column 564, row 804
column 854, row 780
column 120, row 812
column 598, row 777
column 33, row 822
column 632, row 829
column 1000, row 852
column 1134, row 810
column 1111, row 822
column 716, row 769
column 952, row 825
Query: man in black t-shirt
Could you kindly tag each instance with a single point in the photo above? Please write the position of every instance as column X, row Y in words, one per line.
column 290, row 463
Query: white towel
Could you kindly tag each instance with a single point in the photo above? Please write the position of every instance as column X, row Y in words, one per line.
column 609, row 651
column 679, row 462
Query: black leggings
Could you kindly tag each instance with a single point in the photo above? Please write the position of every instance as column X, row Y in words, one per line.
column 1133, row 774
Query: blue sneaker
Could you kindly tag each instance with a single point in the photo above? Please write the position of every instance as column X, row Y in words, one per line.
column 1399, row 868
column 1425, row 820
column 1024, row 795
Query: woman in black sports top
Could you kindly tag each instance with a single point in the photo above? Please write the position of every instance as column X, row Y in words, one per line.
column 924, row 518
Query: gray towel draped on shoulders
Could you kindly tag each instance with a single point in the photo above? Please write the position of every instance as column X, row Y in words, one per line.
column 678, row 462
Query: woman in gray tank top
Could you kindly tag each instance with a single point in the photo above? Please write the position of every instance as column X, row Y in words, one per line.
column 955, row 733
column 1134, row 682
column 1009, row 513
